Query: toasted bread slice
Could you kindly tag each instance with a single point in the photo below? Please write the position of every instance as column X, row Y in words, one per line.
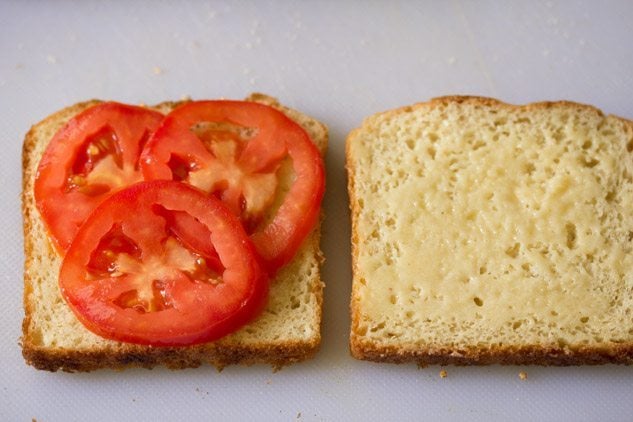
column 287, row 331
column 484, row 232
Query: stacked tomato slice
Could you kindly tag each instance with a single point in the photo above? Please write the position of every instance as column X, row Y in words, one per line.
column 94, row 154
column 239, row 151
column 171, row 225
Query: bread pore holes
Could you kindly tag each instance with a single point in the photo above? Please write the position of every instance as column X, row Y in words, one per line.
column 500, row 121
column 478, row 301
column 610, row 196
column 295, row 303
column 478, row 144
column 570, row 230
column 589, row 162
column 513, row 251
column 558, row 135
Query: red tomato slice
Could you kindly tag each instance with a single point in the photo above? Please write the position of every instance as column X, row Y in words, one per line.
column 95, row 154
column 241, row 152
column 128, row 276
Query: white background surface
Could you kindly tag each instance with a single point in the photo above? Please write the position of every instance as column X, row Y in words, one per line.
column 338, row 61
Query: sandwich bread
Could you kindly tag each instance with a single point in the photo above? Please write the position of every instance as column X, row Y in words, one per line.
column 53, row 339
column 484, row 232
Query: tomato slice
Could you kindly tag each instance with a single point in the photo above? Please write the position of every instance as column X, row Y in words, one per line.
column 129, row 276
column 262, row 165
column 95, row 154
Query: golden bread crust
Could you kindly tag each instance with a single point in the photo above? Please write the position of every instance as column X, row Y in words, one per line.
column 503, row 355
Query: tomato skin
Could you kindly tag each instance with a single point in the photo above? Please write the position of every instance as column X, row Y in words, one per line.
column 191, row 310
column 276, row 243
column 278, row 238
column 95, row 154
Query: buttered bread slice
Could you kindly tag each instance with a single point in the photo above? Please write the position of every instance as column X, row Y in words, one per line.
column 490, row 233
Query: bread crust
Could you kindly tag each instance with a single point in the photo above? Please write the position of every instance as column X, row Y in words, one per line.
column 503, row 355
column 116, row 355
column 537, row 354
column 483, row 101
column 218, row 355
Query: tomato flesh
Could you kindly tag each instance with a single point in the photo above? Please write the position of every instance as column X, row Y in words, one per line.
column 132, row 275
column 95, row 154
column 236, row 151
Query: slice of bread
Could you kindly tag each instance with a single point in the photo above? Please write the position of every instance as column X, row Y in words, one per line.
column 484, row 232
column 287, row 331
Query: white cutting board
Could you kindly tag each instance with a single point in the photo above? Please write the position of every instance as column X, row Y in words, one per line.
column 338, row 61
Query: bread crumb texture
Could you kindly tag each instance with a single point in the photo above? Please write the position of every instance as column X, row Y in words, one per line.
column 480, row 226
